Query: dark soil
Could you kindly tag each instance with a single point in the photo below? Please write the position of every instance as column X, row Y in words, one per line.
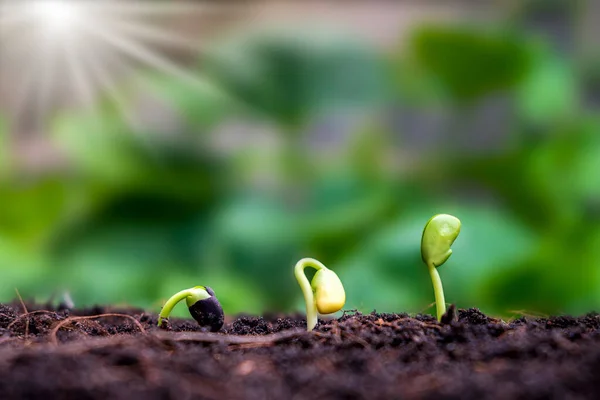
column 60, row 355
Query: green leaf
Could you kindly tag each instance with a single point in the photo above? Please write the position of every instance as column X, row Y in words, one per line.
column 549, row 93
column 119, row 262
column 101, row 143
column 29, row 211
column 4, row 149
column 563, row 168
column 257, row 240
column 202, row 105
column 22, row 269
column 560, row 276
column 292, row 77
column 470, row 63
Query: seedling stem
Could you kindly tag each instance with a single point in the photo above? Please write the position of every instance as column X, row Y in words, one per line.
column 191, row 296
column 438, row 290
column 325, row 294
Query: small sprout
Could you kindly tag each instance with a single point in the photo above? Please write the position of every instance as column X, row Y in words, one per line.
column 439, row 234
column 202, row 304
column 324, row 294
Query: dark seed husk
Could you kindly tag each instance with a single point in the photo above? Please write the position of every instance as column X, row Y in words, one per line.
column 208, row 312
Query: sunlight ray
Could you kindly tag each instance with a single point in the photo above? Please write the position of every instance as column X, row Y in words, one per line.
column 70, row 53
column 80, row 85
column 48, row 65
column 99, row 70
column 99, row 65
column 142, row 53
column 26, row 92
column 141, row 8
column 152, row 34
column 96, row 67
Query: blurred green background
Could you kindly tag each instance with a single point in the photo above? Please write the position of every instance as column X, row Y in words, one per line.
column 310, row 142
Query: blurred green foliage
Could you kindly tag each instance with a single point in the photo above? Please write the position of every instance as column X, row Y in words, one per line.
column 141, row 214
column 468, row 62
column 292, row 76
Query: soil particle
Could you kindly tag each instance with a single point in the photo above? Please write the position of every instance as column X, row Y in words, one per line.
column 250, row 326
column 7, row 315
column 358, row 356
column 474, row 317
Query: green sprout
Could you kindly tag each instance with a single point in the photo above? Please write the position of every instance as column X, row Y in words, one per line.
column 202, row 305
column 438, row 235
column 324, row 294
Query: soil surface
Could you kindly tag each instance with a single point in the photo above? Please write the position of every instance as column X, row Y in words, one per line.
column 80, row 354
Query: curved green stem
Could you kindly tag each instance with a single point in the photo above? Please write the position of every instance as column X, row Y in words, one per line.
column 438, row 291
column 191, row 295
column 307, row 291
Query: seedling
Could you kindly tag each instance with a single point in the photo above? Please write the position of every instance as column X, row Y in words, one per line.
column 324, row 294
column 202, row 304
column 438, row 235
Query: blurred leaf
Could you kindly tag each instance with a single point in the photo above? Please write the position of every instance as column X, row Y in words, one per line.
column 135, row 179
column 369, row 288
column 339, row 209
column 106, row 148
column 123, row 263
column 290, row 77
column 590, row 298
column 258, row 240
column 549, row 93
column 469, row 63
column 255, row 221
column 24, row 270
column 524, row 194
column 564, row 167
column 203, row 105
column 413, row 84
column 29, row 210
column 101, row 143
column 4, row 149
column 560, row 276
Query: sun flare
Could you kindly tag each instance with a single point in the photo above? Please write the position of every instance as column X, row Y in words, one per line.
column 68, row 53
column 57, row 16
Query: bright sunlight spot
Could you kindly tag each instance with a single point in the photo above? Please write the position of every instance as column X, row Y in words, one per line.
column 72, row 52
column 56, row 15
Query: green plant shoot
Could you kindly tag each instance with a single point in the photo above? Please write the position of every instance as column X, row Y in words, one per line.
column 202, row 305
column 438, row 235
column 324, row 294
